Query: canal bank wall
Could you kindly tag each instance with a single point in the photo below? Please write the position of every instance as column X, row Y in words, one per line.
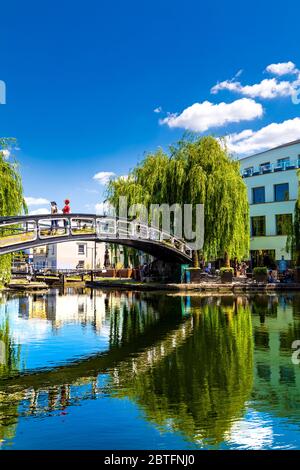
column 202, row 287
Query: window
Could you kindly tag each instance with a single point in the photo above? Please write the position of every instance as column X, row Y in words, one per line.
column 248, row 171
column 81, row 249
column 283, row 223
column 287, row 375
column 258, row 226
column 264, row 372
column 261, row 339
column 265, row 166
column 258, row 195
column 80, row 264
column 281, row 192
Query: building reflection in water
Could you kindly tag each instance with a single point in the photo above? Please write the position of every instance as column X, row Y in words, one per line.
column 276, row 324
column 194, row 365
column 59, row 308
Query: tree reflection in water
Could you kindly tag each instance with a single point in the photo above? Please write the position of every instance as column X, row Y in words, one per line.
column 193, row 364
column 9, row 364
column 200, row 386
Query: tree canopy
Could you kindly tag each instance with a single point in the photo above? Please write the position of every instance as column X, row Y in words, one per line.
column 293, row 240
column 195, row 171
column 11, row 197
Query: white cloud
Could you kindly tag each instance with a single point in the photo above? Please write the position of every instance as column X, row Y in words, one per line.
column 282, row 68
column 36, row 201
column 5, row 153
column 42, row 211
column 229, row 85
column 158, row 110
column 103, row 177
column 267, row 137
column 202, row 116
column 267, row 89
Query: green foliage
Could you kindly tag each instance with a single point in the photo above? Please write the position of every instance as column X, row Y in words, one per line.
column 260, row 270
column 201, row 400
column 9, row 365
column 11, row 198
column 293, row 240
column 226, row 270
column 196, row 171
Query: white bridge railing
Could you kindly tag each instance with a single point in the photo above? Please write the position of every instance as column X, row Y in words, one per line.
column 24, row 231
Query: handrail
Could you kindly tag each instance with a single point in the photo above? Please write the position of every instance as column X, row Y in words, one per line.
column 60, row 227
column 270, row 168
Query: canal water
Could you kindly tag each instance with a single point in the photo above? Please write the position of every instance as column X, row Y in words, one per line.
column 82, row 369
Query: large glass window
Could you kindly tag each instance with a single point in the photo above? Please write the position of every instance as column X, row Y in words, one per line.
column 281, row 192
column 283, row 224
column 258, row 226
column 258, row 195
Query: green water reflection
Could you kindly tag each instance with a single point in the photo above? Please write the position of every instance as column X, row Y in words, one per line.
column 194, row 365
column 200, row 386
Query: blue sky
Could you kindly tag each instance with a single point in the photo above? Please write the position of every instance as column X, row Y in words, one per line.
column 83, row 80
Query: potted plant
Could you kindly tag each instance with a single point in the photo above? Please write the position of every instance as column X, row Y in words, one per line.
column 195, row 275
column 260, row 274
column 108, row 273
column 125, row 272
column 226, row 274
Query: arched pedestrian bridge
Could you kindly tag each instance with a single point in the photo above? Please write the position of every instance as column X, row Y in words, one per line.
column 24, row 232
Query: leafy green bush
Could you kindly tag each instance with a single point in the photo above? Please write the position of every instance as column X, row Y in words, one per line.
column 226, row 270
column 260, row 270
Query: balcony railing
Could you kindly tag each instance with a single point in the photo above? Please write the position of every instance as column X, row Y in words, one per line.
column 271, row 168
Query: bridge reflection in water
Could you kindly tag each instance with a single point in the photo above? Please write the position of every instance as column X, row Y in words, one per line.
column 190, row 363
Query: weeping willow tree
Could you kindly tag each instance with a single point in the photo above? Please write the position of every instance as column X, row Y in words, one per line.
column 293, row 240
column 196, row 171
column 11, row 197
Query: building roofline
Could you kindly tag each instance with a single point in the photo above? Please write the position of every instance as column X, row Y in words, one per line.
column 294, row 142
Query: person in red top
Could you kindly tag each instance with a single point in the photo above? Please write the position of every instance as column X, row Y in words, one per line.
column 66, row 210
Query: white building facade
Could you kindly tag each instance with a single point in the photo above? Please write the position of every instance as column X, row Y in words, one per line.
column 272, row 182
column 70, row 255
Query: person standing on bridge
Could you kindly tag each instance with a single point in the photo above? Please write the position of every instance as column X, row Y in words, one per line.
column 54, row 223
column 66, row 210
